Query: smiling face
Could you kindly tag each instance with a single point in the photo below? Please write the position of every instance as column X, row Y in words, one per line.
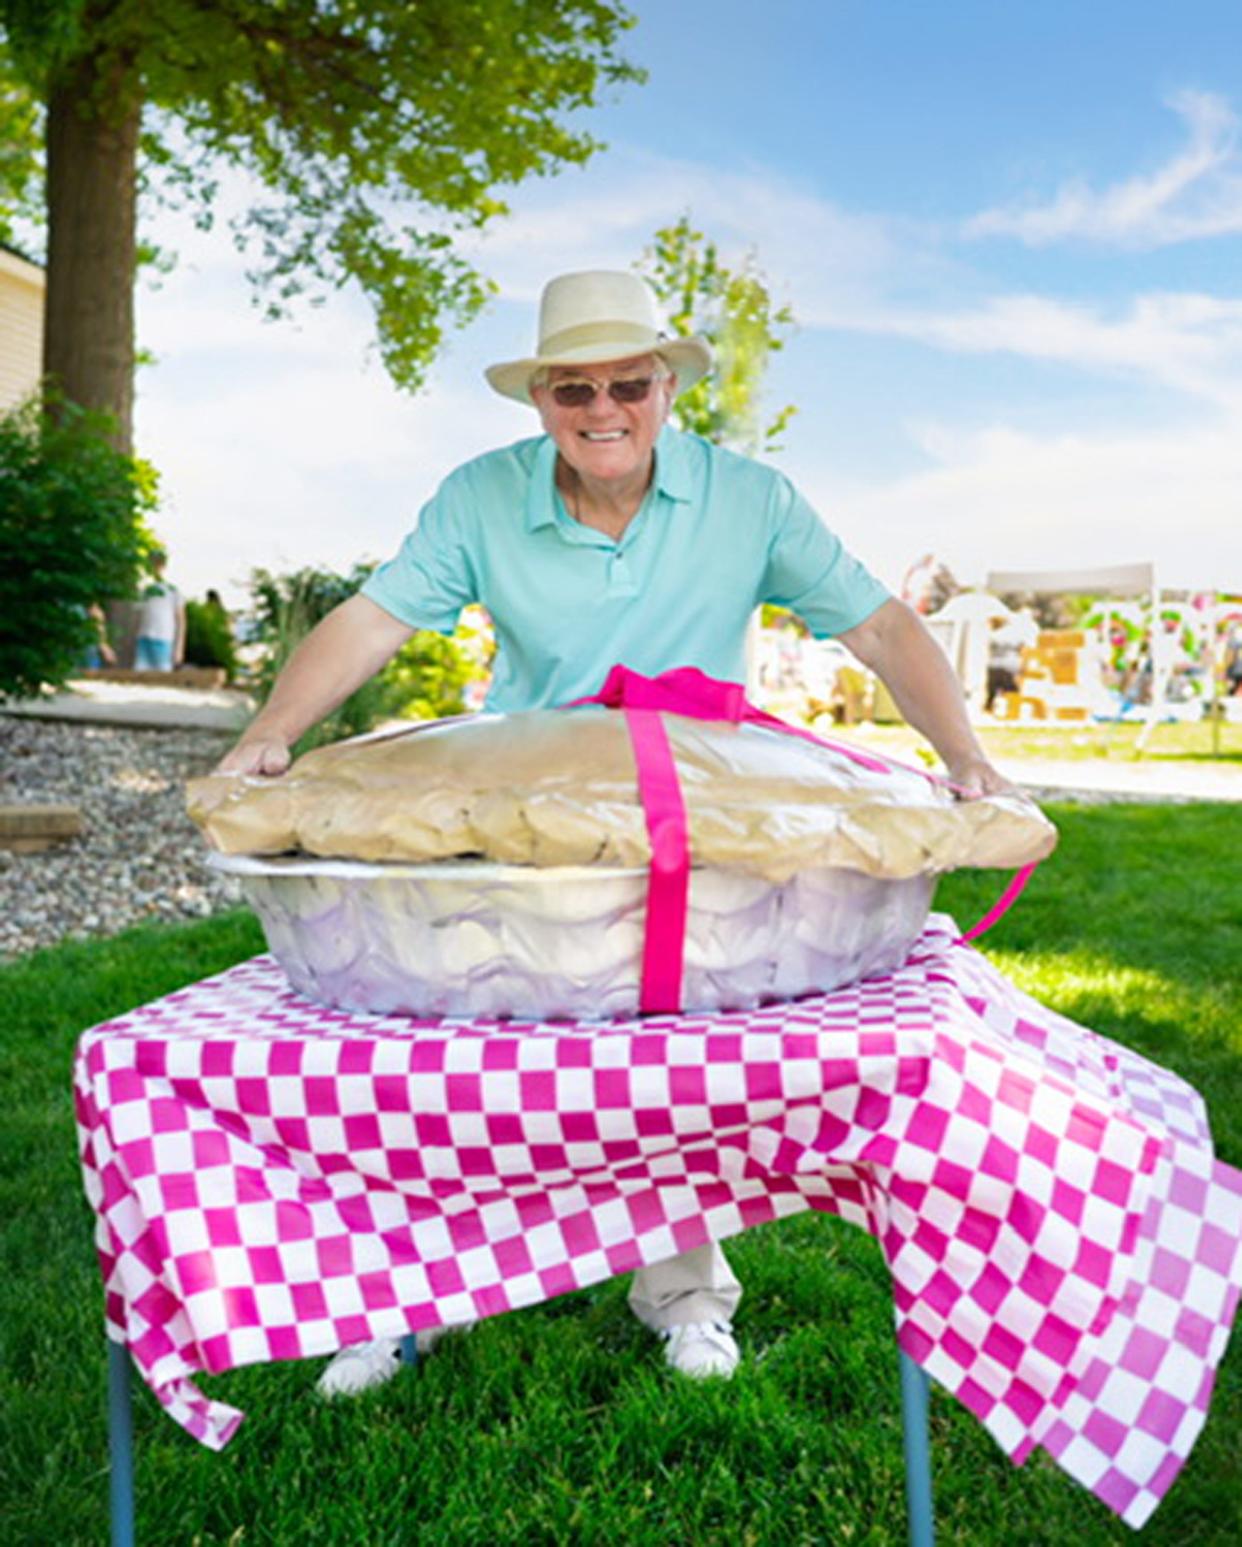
column 605, row 442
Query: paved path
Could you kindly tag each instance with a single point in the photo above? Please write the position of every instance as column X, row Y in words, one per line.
column 1136, row 779
column 98, row 702
column 1140, row 779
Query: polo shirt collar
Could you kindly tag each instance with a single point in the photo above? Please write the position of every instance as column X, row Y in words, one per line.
column 541, row 491
column 672, row 477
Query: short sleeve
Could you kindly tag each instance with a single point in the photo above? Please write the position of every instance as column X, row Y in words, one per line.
column 810, row 571
column 431, row 578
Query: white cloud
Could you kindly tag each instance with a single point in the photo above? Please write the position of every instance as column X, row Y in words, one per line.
column 814, row 252
column 842, row 271
column 299, row 455
column 1198, row 193
column 1002, row 499
column 283, row 446
column 1189, row 342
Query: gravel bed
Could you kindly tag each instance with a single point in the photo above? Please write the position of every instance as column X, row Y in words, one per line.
column 138, row 857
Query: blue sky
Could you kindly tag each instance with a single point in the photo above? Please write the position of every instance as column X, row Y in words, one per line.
column 1011, row 234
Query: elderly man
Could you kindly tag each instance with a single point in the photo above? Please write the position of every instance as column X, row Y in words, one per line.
column 612, row 538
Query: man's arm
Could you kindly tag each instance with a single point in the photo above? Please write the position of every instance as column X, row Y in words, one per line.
column 350, row 645
column 895, row 645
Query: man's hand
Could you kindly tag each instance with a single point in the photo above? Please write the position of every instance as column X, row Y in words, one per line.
column 266, row 755
column 337, row 656
column 895, row 645
column 975, row 776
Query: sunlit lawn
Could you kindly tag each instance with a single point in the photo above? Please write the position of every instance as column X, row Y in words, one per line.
column 1196, row 743
column 558, row 1425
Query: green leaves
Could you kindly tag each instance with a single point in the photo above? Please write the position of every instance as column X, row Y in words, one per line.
column 378, row 128
column 353, row 115
column 73, row 534
column 425, row 680
column 21, row 142
column 209, row 637
column 733, row 310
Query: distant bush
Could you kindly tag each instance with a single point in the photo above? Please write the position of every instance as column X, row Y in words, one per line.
column 209, row 637
column 287, row 607
column 429, row 675
column 425, row 680
column 73, row 532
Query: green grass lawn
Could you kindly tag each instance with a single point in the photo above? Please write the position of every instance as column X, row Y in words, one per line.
column 1197, row 743
column 558, row 1425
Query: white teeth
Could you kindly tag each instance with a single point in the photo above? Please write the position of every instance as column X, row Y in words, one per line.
column 603, row 434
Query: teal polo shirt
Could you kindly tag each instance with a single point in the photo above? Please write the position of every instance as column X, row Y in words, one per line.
column 716, row 535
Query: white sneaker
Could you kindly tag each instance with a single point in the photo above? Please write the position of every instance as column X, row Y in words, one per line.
column 701, row 1349
column 360, row 1368
column 364, row 1366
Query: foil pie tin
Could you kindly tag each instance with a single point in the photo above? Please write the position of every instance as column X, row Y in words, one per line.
column 477, row 938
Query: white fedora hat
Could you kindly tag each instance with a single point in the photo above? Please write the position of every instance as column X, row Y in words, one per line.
column 597, row 316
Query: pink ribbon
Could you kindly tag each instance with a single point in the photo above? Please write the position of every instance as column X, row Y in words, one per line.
column 688, row 691
column 668, row 879
column 1002, row 905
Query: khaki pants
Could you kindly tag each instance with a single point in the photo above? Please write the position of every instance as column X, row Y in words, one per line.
column 693, row 1286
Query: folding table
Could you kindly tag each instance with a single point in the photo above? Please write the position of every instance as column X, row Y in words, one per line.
column 914, row 1395
column 276, row 1180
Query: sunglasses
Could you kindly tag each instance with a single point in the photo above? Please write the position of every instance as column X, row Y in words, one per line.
column 624, row 389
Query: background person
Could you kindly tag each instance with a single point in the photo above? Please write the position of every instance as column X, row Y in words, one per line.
column 101, row 652
column 1009, row 639
column 160, row 631
column 613, row 538
column 928, row 584
column 1233, row 662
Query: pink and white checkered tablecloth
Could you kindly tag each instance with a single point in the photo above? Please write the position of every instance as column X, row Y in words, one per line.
column 274, row 1180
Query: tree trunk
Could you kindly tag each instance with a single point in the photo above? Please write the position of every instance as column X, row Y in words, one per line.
column 93, row 120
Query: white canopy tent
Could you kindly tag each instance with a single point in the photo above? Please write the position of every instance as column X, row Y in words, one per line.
column 962, row 628
column 1103, row 580
column 1115, row 581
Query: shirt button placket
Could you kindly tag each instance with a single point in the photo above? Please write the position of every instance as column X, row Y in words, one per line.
column 620, row 581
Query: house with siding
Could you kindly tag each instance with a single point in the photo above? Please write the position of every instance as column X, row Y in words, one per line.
column 21, row 327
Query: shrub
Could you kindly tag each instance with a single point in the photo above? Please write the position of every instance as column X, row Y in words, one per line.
column 287, row 607
column 209, row 637
column 428, row 676
column 73, row 532
column 425, row 680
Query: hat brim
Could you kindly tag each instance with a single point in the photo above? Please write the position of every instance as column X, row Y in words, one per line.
column 689, row 359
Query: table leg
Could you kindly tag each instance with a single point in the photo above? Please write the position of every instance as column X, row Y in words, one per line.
column 409, row 1349
column 120, row 1446
column 914, row 1395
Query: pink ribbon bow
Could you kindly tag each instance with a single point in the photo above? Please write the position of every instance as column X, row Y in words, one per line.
column 687, row 691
